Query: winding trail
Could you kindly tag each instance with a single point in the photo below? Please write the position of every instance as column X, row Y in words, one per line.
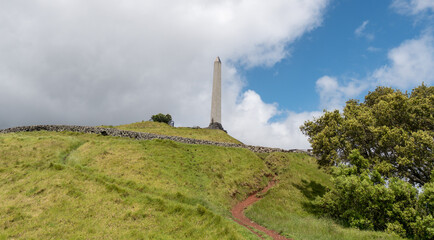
column 240, row 218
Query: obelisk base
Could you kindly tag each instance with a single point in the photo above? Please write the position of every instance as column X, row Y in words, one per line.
column 216, row 125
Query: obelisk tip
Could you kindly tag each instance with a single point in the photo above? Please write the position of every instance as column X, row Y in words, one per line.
column 218, row 60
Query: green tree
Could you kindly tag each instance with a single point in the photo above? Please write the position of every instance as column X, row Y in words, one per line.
column 162, row 118
column 393, row 130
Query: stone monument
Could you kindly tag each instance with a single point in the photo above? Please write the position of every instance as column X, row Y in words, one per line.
column 216, row 102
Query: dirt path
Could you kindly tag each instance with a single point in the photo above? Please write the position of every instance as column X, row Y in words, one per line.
column 239, row 217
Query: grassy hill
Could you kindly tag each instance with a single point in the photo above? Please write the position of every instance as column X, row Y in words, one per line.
column 85, row 186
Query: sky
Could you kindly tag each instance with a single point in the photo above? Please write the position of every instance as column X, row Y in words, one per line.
column 107, row 62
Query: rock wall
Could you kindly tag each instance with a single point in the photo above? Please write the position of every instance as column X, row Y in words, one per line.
column 141, row 136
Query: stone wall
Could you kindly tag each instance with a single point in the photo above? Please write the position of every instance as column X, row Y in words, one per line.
column 140, row 136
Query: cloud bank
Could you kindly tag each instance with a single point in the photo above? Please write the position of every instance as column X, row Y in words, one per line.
column 111, row 62
column 410, row 64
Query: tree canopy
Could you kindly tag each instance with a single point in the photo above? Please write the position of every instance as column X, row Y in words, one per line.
column 393, row 130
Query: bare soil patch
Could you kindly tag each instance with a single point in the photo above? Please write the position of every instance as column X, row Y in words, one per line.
column 239, row 217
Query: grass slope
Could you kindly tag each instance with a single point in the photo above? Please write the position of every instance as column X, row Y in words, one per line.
column 164, row 129
column 84, row 186
column 286, row 208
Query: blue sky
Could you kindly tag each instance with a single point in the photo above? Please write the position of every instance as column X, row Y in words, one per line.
column 335, row 49
column 109, row 62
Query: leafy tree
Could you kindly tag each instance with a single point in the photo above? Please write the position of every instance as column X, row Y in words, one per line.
column 393, row 130
column 375, row 150
column 162, row 118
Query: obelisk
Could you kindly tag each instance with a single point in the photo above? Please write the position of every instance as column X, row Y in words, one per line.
column 216, row 102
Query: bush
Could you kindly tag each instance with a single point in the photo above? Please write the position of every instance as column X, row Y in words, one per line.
column 162, row 118
column 424, row 225
column 361, row 198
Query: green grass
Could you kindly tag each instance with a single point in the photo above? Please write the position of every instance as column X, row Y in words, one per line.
column 84, row 186
column 164, row 129
column 286, row 208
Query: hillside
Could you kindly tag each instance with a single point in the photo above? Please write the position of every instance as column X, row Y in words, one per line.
column 286, row 207
column 87, row 186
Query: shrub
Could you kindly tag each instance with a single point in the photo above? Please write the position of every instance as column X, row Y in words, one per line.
column 162, row 118
column 424, row 224
column 363, row 199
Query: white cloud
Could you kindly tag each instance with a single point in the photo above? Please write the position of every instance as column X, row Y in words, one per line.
column 361, row 31
column 111, row 62
column 250, row 121
column 333, row 95
column 413, row 7
column 329, row 92
column 411, row 63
